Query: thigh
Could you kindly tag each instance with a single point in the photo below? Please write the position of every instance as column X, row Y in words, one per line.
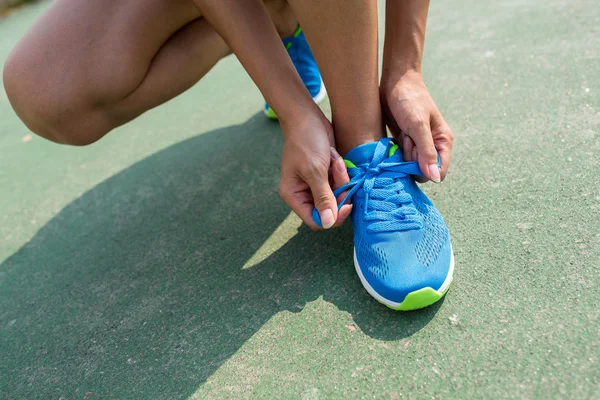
column 98, row 51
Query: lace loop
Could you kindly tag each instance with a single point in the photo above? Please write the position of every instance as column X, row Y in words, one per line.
column 388, row 207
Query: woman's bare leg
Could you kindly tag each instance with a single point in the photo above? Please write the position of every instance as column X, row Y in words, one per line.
column 87, row 67
column 343, row 36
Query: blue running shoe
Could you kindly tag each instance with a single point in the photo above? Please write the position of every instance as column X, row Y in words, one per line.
column 402, row 250
column 306, row 66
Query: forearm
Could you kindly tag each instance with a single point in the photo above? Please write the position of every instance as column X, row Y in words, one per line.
column 404, row 37
column 246, row 27
column 410, row 112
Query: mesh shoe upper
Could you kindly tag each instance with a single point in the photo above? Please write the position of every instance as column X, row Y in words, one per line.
column 401, row 241
column 305, row 63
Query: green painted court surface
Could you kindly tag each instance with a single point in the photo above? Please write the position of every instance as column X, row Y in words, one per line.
column 160, row 263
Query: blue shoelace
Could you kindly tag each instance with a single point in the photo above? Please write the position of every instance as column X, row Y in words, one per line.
column 388, row 207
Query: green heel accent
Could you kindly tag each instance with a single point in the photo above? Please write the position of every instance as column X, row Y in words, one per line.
column 419, row 299
column 270, row 113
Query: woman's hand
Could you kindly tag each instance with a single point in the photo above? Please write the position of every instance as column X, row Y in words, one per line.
column 310, row 166
column 417, row 124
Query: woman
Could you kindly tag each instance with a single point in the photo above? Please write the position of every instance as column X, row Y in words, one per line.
column 88, row 67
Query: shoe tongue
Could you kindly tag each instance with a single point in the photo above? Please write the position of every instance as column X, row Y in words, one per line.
column 362, row 154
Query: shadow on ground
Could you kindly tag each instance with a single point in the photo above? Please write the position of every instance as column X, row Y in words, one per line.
column 137, row 287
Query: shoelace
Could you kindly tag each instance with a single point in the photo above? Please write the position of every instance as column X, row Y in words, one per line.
column 387, row 205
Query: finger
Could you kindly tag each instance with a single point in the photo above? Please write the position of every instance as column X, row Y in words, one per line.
column 316, row 178
column 415, row 157
column 343, row 215
column 339, row 173
column 305, row 212
column 324, row 204
column 389, row 119
column 407, row 148
column 301, row 204
column 345, row 210
column 444, row 139
column 420, row 133
column 444, row 153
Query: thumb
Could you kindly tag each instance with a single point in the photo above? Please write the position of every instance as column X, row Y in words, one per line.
column 325, row 212
column 427, row 154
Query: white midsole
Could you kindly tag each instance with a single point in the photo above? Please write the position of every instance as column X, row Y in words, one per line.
column 394, row 304
column 321, row 95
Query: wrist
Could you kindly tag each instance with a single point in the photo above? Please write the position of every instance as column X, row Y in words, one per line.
column 298, row 116
column 291, row 113
column 397, row 65
column 391, row 79
column 296, row 121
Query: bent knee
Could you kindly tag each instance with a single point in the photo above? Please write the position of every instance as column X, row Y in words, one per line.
column 46, row 111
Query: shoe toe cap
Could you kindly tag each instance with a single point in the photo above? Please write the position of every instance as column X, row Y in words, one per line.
column 396, row 274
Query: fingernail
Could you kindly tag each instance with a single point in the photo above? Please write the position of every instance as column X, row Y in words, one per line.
column 340, row 166
column 435, row 173
column 334, row 154
column 406, row 142
column 327, row 219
